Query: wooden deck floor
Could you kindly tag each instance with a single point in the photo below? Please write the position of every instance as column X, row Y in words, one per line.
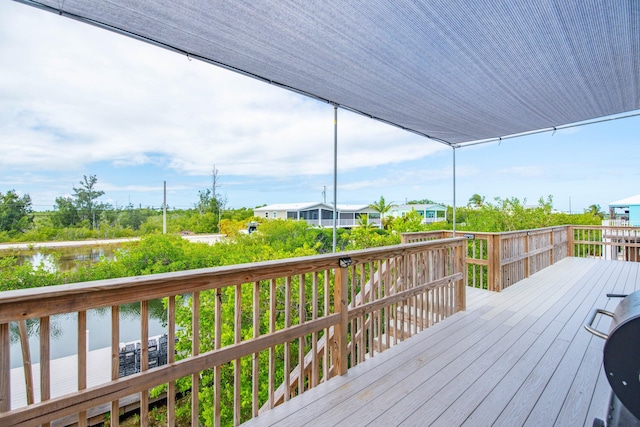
column 515, row 358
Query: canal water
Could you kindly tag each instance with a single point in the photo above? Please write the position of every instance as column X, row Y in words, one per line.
column 64, row 328
column 62, row 258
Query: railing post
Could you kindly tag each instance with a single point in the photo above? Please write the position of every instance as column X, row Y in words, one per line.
column 527, row 264
column 496, row 261
column 552, row 252
column 570, row 249
column 5, row 368
column 340, row 304
column 461, row 288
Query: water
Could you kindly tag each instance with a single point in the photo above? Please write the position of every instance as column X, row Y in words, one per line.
column 64, row 331
column 64, row 328
column 64, row 258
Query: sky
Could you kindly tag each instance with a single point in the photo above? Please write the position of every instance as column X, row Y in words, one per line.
column 77, row 100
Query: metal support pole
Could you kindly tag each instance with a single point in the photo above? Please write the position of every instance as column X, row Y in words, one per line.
column 454, row 191
column 335, row 174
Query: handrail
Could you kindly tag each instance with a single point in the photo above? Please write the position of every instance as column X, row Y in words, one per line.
column 246, row 317
column 498, row 260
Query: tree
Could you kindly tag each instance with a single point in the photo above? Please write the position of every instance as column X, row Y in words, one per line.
column 132, row 217
column 476, row 201
column 85, row 197
column 595, row 211
column 209, row 206
column 65, row 213
column 15, row 212
column 381, row 207
column 421, row 202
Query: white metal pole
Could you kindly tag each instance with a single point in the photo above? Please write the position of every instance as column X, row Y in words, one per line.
column 164, row 210
column 454, row 191
column 335, row 174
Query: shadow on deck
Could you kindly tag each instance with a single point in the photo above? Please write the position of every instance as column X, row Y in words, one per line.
column 519, row 357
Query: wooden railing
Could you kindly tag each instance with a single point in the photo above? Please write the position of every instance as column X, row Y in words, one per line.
column 607, row 242
column 258, row 328
column 495, row 261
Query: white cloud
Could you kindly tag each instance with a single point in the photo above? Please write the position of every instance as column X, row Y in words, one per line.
column 74, row 95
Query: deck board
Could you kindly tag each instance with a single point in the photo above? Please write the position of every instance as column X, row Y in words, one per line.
column 519, row 357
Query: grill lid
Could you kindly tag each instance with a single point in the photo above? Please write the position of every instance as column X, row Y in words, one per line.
column 622, row 353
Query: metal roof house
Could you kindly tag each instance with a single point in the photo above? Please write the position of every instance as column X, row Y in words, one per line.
column 626, row 211
column 429, row 212
column 320, row 214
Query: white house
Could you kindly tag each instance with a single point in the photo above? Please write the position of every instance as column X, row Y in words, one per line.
column 622, row 213
column 625, row 212
column 320, row 214
column 429, row 212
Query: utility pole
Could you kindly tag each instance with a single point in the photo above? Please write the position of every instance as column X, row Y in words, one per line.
column 214, row 182
column 164, row 210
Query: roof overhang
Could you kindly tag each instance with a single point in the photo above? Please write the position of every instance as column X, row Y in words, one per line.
column 625, row 203
column 454, row 71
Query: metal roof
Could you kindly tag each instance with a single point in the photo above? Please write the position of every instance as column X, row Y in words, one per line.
column 633, row 200
column 456, row 71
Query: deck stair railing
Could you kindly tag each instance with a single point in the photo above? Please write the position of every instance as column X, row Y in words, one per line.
column 242, row 331
column 408, row 317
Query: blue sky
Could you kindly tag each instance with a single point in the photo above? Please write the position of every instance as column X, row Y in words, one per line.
column 77, row 100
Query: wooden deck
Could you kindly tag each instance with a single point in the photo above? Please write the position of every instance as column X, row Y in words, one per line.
column 519, row 357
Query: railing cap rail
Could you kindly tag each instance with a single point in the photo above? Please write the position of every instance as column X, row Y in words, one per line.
column 36, row 302
column 489, row 233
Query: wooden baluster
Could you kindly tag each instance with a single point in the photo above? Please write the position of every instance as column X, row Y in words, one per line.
column 340, row 304
column 5, row 368
column 82, row 361
column 26, row 359
column 287, row 344
column 351, row 298
column 388, row 310
column 115, row 361
column 45, row 356
column 171, row 356
column 144, row 360
column 461, row 267
column 217, row 369
column 255, row 368
column 379, row 284
column 362, row 326
column 272, row 349
column 195, row 350
column 237, row 337
column 301, row 340
column 327, row 336
column 314, row 337
column 373, row 315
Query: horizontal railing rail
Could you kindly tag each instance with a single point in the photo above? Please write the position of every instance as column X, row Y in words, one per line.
column 620, row 243
column 236, row 333
column 497, row 260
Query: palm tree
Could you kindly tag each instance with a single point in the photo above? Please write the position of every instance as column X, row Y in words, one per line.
column 382, row 207
column 476, row 200
column 595, row 211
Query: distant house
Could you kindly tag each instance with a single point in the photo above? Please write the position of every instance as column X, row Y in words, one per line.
column 625, row 212
column 429, row 213
column 622, row 243
column 320, row 214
